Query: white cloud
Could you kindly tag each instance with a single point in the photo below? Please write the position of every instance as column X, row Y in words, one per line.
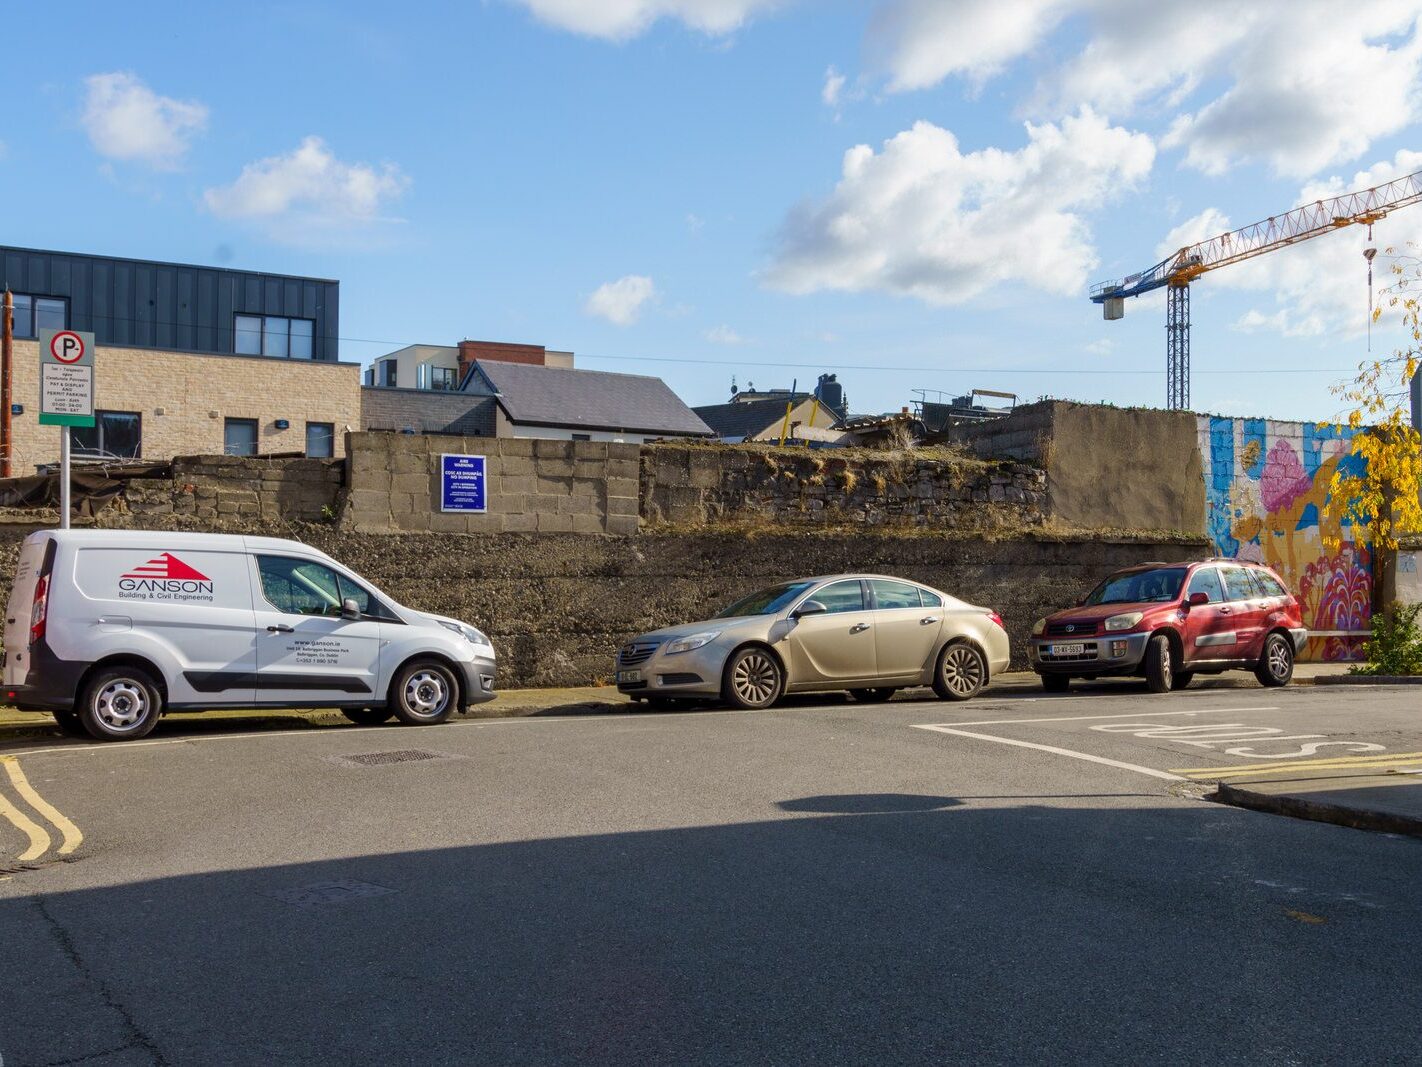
column 126, row 120
column 1297, row 84
column 621, row 302
column 1319, row 287
column 724, row 335
column 694, row 222
column 834, row 86
column 621, row 20
column 922, row 218
column 310, row 189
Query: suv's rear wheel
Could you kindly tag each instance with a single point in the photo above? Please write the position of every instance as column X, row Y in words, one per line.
column 424, row 693
column 120, row 704
column 1158, row 668
column 1276, row 665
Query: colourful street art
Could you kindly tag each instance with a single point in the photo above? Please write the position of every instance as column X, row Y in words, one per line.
column 1266, row 490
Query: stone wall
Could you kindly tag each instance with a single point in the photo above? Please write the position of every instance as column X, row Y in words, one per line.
column 585, row 487
column 558, row 606
column 699, row 485
column 217, row 490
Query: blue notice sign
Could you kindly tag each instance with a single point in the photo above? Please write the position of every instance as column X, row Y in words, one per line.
column 461, row 483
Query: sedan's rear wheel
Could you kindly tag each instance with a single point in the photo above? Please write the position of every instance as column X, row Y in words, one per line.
column 752, row 679
column 961, row 674
column 872, row 696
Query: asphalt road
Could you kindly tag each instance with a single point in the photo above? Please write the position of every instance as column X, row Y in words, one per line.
column 815, row 884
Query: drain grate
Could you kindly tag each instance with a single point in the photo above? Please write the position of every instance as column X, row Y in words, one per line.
column 319, row 893
column 381, row 759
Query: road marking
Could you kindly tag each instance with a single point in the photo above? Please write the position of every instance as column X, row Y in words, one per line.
column 70, row 833
column 1057, row 751
column 38, row 835
column 1132, row 715
column 1342, row 763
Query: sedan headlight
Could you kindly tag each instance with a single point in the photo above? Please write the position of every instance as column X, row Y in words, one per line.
column 1038, row 627
column 690, row 642
column 1129, row 621
column 469, row 633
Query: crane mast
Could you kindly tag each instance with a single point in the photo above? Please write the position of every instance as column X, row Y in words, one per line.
column 1175, row 273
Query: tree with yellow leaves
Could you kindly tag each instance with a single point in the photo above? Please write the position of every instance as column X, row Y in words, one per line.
column 1383, row 492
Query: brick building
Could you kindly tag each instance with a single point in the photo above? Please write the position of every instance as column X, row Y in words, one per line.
column 190, row 359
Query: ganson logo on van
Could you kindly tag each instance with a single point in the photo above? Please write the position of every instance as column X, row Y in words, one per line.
column 165, row 577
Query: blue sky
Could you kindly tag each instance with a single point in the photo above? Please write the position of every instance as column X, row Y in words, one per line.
column 664, row 187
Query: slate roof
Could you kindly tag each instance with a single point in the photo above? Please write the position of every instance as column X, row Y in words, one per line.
column 747, row 418
column 589, row 400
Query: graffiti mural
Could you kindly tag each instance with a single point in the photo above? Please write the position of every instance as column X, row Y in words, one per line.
column 1266, row 490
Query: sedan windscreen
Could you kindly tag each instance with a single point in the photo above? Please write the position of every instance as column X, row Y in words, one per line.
column 1139, row 587
column 767, row 601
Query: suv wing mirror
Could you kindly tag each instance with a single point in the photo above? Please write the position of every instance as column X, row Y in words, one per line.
column 1198, row 598
column 810, row 607
column 350, row 609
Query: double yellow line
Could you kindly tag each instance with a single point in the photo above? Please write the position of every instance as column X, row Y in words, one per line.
column 1342, row 763
column 40, row 840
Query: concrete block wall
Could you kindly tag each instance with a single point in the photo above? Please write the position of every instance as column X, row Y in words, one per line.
column 219, row 491
column 533, row 486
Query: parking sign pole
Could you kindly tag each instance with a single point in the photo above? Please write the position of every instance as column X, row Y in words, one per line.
column 64, row 477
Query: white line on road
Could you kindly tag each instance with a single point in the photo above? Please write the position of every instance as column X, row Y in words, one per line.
column 1132, row 715
column 1060, row 751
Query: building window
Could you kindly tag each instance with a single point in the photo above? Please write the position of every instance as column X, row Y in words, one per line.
column 582, row 437
column 320, row 440
column 442, row 378
column 273, row 335
column 114, row 433
column 388, row 369
column 239, row 437
column 35, row 313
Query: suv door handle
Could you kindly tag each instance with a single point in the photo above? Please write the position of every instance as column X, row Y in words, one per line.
column 1226, row 610
column 928, row 621
column 859, row 627
column 280, row 628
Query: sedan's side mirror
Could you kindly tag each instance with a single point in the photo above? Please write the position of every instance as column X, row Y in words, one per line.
column 1196, row 599
column 810, row 607
column 350, row 609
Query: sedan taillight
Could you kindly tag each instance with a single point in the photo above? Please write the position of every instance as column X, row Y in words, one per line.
column 996, row 620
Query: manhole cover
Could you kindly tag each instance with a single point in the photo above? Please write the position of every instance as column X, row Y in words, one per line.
column 380, row 759
column 319, row 893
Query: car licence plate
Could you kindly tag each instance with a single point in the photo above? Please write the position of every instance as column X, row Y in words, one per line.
column 1068, row 650
column 628, row 677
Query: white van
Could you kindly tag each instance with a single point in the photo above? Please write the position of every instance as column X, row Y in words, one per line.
column 109, row 629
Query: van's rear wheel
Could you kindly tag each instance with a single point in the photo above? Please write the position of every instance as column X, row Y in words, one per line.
column 120, row 704
column 424, row 693
column 368, row 716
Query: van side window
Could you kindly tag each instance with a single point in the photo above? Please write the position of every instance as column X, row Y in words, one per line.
column 1207, row 581
column 300, row 586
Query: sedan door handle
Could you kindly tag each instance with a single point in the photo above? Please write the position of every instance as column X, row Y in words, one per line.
column 928, row 621
column 280, row 628
column 859, row 627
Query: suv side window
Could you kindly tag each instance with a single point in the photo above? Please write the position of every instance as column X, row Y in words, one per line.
column 1237, row 584
column 1271, row 585
column 891, row 595
column 1206, row 580
column 841, row 597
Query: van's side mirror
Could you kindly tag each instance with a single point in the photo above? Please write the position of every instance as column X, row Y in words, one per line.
column 349, row 608
column 810, row 607
column 1196, row 599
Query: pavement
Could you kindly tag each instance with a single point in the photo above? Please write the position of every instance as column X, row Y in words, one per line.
column 1025, row 877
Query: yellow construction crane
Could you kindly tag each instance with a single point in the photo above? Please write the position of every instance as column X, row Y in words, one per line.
column 1177, row 271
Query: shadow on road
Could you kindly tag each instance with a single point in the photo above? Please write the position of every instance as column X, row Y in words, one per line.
column 907, row 929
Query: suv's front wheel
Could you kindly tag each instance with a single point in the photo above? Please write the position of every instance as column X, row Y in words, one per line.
column 1158, row 668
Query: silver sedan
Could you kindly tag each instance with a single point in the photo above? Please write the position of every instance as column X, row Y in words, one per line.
column 869, row 634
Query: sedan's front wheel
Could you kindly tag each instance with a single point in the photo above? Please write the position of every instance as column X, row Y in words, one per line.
column 752, row 680
column 961, row 674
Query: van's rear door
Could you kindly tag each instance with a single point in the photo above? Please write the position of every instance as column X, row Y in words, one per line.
column 17, row 611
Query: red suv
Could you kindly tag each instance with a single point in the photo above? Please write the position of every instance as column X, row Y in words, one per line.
column 1168, row 622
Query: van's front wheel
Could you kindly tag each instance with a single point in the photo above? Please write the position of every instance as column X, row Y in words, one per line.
column 424, row 693
column 120, row 704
